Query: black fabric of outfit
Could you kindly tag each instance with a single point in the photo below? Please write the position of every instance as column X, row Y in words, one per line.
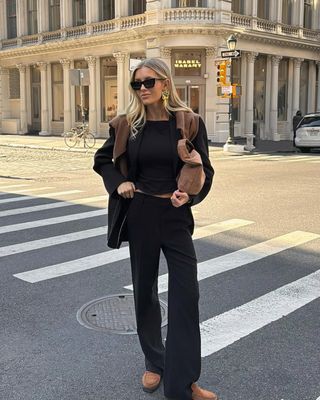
column 154, row 224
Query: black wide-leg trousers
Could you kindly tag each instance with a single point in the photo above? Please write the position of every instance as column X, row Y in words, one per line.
column 154, row 224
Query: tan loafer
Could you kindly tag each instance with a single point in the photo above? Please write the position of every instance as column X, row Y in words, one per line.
column 202, row 394
column 150, row 381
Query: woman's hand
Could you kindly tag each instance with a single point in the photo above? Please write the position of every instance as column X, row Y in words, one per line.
column 179, row 198
column 126, row 190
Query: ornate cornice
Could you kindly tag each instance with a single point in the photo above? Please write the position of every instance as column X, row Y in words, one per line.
column 211, row 51
column 165, row 52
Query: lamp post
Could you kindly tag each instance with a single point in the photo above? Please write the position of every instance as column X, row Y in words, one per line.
column 231, row 43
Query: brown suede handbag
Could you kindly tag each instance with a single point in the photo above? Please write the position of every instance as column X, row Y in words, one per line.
column 191, row 177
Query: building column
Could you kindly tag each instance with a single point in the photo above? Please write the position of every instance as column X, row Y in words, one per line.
column 66, row 94
column 66, row 19
column 211, row 95
column 296, row 84
column 300, row 11
column 92, row 94
column 43, row 16
column 92, row 11
column 274, row 97
column 120, row 58
column 3, row 20
column 4, row 93
column 127, row 75
column 278, row 6
column 312, row 87
column 251, row 57
column 254, row 9
column 44, row 99
column 23, row 99
column 22, row 21
column 318, row 89
column 121, row 8
column 165, row 54
column 153, row 5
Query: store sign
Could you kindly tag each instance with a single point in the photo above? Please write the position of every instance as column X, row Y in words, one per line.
column 187, row 64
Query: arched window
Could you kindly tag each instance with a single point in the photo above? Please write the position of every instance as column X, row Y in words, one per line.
column 54, row 15
column 79, row 12
column 287, row 12
column 32, row 17
column 11, row 19
column 307, row 17
column 263, row 9
column 107, row 9
column 137, row 7
column 238, row 6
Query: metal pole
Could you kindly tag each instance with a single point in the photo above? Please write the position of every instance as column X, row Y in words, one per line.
column 81, row 104
column 231, row 121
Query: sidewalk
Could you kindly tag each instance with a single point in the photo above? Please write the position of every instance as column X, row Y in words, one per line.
column 57, row 143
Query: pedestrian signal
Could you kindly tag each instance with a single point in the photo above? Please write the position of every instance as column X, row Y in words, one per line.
column 222, row 73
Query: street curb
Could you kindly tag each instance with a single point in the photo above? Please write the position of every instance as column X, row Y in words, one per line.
column 31, row 146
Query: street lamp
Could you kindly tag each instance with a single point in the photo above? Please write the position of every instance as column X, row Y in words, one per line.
column 231, row 43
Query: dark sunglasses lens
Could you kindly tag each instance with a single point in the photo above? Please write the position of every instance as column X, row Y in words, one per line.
column 136, row 85
column 149, row 83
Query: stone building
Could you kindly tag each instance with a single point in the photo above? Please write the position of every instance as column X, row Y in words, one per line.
column 42, row 40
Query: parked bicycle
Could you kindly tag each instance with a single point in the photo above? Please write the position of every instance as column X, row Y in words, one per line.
column 79, row 133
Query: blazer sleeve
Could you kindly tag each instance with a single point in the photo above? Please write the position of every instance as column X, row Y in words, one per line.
column 104, row 166
column 200, row 143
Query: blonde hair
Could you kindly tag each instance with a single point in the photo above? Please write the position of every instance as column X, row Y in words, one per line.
column 136, row 111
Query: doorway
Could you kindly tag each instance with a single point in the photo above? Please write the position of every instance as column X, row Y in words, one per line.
column 35, row 101
column 192, row 95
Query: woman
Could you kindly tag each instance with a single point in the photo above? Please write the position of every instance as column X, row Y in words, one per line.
column 140, row 162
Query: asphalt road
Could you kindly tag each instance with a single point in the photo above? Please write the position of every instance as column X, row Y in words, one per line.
column 258, row 246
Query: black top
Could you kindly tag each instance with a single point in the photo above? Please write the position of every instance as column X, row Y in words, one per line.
column 156, row 158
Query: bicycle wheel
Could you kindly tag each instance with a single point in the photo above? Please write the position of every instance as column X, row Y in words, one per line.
column 89, row 140
column 70, row 139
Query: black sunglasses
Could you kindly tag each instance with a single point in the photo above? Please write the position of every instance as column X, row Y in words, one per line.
column 148, row 83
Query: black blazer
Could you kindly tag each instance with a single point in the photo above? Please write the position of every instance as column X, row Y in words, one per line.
column 112, row 178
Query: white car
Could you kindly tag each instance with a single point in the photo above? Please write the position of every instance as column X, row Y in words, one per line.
column 307, row 134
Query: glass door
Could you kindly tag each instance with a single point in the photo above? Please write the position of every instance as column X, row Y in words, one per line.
column 192, row 96
column 35, row 100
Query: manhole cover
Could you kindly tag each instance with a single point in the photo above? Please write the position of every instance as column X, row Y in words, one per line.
column 114, row 313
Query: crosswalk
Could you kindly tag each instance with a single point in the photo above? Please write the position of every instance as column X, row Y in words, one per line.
column 217, row 332
column 280, row 158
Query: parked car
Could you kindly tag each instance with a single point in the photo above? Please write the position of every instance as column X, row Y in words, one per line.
column 307, row 135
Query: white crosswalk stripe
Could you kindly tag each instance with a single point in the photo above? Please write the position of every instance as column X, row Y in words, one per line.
column 270, row 157
column 50, row 206
column 223, row 330
column 27, row 190
column 51, row 241
column 25, row 198
column 12, row 186
column 51, row 221
column 111, row 256
column 243, row 257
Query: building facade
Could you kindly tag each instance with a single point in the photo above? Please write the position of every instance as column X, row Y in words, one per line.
column 42, row 40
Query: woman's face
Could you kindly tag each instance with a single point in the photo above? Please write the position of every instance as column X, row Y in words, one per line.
column 152, row 95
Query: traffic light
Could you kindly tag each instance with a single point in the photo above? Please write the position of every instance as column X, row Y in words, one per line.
column 222, row 73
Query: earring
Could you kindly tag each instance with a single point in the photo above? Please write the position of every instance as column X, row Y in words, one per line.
column 165, row 97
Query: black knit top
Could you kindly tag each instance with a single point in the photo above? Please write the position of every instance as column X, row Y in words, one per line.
column 156, row 159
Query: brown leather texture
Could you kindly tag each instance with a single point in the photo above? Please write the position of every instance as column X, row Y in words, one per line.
column 191, row 178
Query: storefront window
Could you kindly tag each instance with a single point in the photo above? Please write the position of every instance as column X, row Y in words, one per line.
column 57, row 92
column 81, row 64
column 187, row 63
column 282, row 90
column 259, row 88
column 109, row 94
column 107, row 9
column 263, row 9
column 79, row 12
column 137, row 7
column 304, row 79
column 14, row 83
column 238, row 6
column 54, row 15
column 11, row 19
